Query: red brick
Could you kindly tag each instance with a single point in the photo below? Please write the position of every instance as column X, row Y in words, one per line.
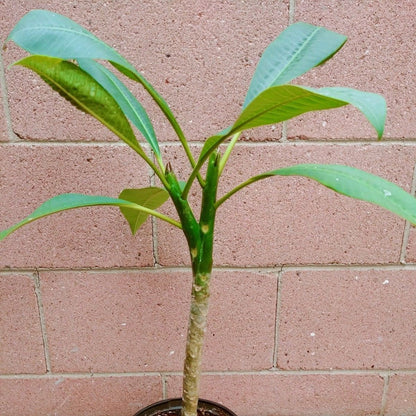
column 295, row 220
column 136, row 321
column 74, row 396
column 286, row 395
column 21, row 337
column 401, row 397
column 88, row 237
column 379, row 57
column 201, row 62
column 347, row 319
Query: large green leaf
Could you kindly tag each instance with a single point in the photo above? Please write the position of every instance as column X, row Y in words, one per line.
column 283, row 102
column 70, row 201
column 125, row 99
column 43, row 32
column 354, row 183
column 84, row 92
column 297, row 49
column 151, row 198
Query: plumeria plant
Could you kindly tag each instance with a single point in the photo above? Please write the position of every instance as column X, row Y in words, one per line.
column 67, row 57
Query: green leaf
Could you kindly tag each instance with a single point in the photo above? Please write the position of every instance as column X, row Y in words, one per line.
column 151, row 198
column 284, row 102
column 373, row 106
column 297, row 49
column 273, row 105
column 212, row 143
column 70, row 201
column 43, row 32
column 357, row 184
column 83, row 92
column 133, row 110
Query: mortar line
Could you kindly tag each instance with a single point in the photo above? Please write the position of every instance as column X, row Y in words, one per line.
column 406, row 231
column 276, row 372
column 49, row 376
column 277, row 317
column 285, row 124
column 292, row 11
column 153, row 220
column 164, row 386
column 385, row 393
column 42, row 320
column 6, row 111
column 334, row 141
column 250, row 269
column 283, row 139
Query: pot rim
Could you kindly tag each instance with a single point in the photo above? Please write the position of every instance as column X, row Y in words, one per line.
column 175, row 404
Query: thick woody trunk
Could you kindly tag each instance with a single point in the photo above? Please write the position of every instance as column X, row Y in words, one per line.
column 194, row 346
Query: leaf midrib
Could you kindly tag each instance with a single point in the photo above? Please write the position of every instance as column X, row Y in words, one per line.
column 359, row 181
column 78, row 33
column 259, row 114
column 308, row 40
column 149, row 133
column 87, row 110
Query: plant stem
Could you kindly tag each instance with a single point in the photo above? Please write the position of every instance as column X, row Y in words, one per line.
column 201, row 267
column 200, row 238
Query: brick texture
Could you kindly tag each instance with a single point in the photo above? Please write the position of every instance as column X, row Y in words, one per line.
column 22, row 344
column 377, row 57
column 88, row 237
column 347, row 319
column 105, row 322
column 401, row 399
column 198, row 37
column 312, row 310
column 3, row 122
column 74, row 396
column 300, row 222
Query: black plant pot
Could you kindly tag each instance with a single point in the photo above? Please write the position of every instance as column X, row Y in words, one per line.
column 172, row 407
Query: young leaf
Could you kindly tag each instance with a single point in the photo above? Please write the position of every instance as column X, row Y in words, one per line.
column 284, row 102
column 151, row 198
column 65, row 202
column 297, row 49
column 133, row 110
column 43, row 32
column 287, row 101
column 351, row 182
column 83, row 92
column 273, row 105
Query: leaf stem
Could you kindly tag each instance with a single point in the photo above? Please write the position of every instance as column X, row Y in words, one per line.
column 218, row 140
column 241, row 186
column 227, row 152
column 164, row 107
column 159, row 172
column 157, row 215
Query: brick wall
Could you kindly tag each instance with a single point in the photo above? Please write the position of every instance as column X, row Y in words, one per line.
column 314, row 306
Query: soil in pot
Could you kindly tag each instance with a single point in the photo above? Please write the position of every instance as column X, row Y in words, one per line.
column 172, row 407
